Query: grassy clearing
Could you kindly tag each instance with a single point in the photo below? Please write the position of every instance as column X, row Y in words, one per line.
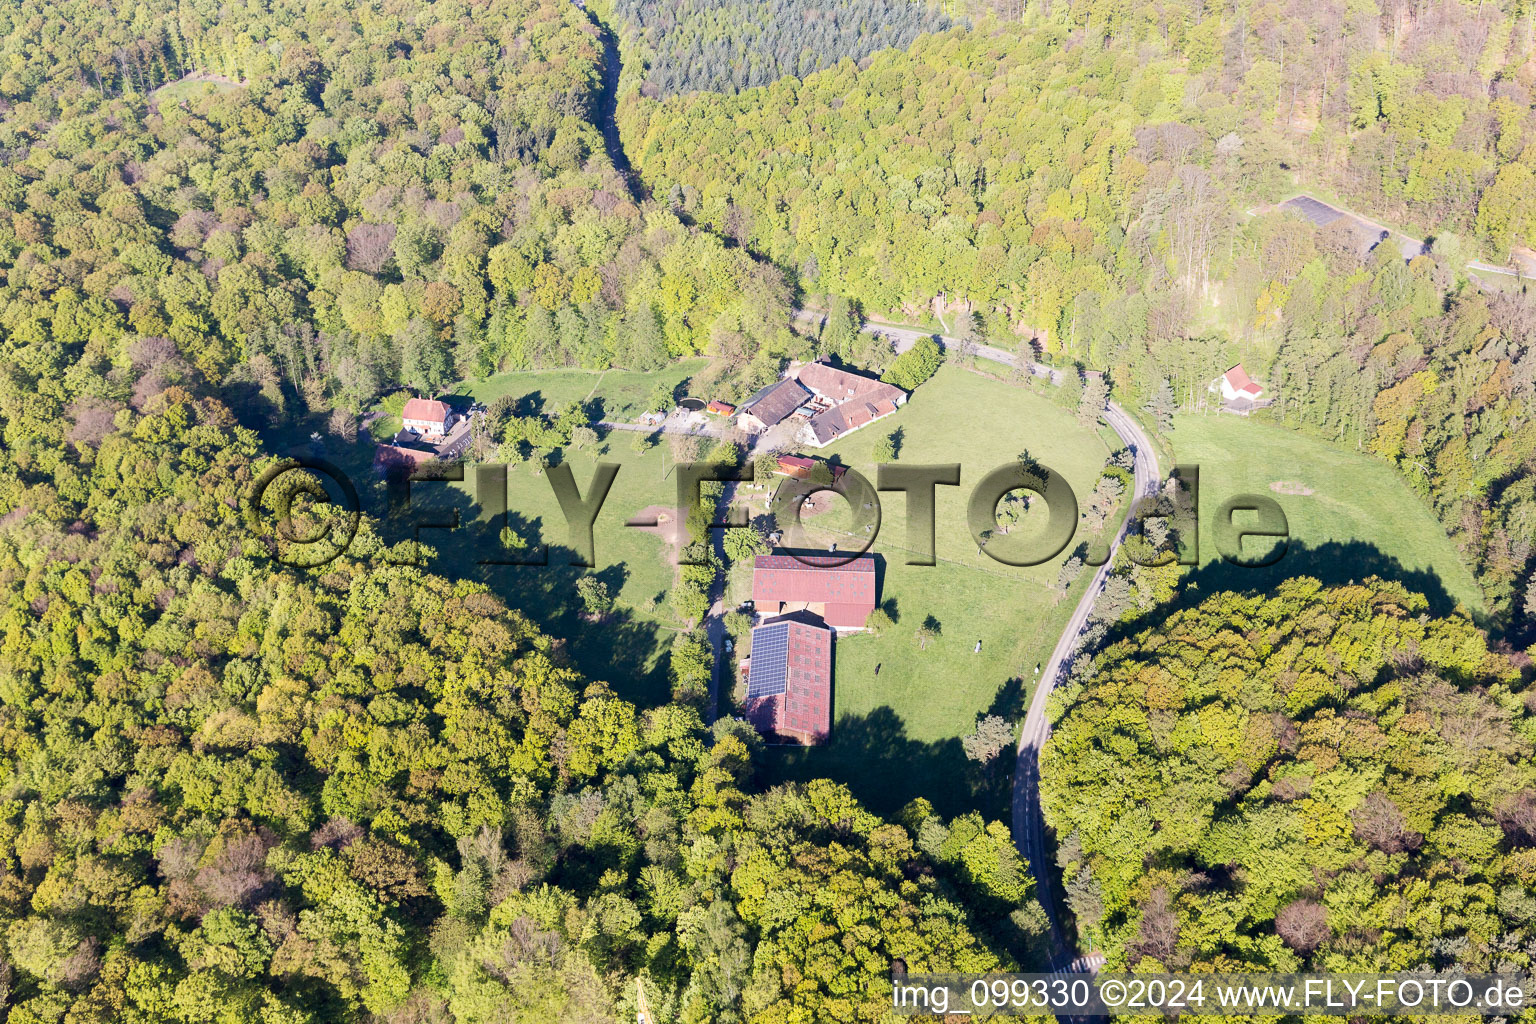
column 617, row 395
column 895, row 734
column 1359, row 519
column 193, row 86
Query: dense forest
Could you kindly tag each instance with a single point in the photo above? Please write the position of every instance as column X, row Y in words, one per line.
column 1322, row 779
column 725, row 46
column 237, row 791
column 322, row 207
column 1028, row 150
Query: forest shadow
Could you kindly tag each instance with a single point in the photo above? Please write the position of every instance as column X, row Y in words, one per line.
column 458, row 399
column 1334, row 563
column 465, row 543
column 885, row 768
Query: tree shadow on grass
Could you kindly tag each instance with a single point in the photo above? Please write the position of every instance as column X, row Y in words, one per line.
column 1333, row 562
column 885, row 768
column 620, row 649
column 1010, row 701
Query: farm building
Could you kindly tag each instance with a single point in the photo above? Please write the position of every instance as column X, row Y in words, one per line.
column 843, row 595
column 789, row 680
column 799, row 467
column 772, row 405
column 844, row 402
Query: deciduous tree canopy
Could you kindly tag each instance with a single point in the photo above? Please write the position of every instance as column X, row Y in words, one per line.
column 1320, row 779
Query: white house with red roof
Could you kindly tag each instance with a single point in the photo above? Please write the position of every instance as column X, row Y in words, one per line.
column 1236, row 385
column 427, row 417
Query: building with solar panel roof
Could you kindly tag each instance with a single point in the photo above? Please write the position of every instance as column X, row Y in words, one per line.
column 789, row 680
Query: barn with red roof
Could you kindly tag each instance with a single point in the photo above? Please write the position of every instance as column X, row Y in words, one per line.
column 789, row 680
column 840, row 591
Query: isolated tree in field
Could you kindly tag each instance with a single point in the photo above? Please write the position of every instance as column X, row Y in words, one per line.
column 967, row 337
column 878, row 621
column 1103, row 501
column 1011, row 510
column 1023, row 362
column 584, row 438
column 888, row 448
column 926, row 633
column 1070, row 570
column 683, row 447
column 594, row 596
column 1161, row 406
column 643, row 442
column 993, row 734
column 1095, row 395
column 663, row 398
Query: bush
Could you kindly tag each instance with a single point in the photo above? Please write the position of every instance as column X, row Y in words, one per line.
column 914, row 366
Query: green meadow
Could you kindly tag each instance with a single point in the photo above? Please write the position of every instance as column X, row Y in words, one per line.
column 898, row 710
column 1349, row 514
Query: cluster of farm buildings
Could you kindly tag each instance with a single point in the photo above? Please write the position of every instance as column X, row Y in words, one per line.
column 827, row 403
column 801, row 602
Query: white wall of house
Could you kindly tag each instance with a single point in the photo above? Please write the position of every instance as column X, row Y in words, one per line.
column 427, row 426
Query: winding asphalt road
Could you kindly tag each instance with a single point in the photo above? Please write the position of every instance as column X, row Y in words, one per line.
column 1028, row 821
